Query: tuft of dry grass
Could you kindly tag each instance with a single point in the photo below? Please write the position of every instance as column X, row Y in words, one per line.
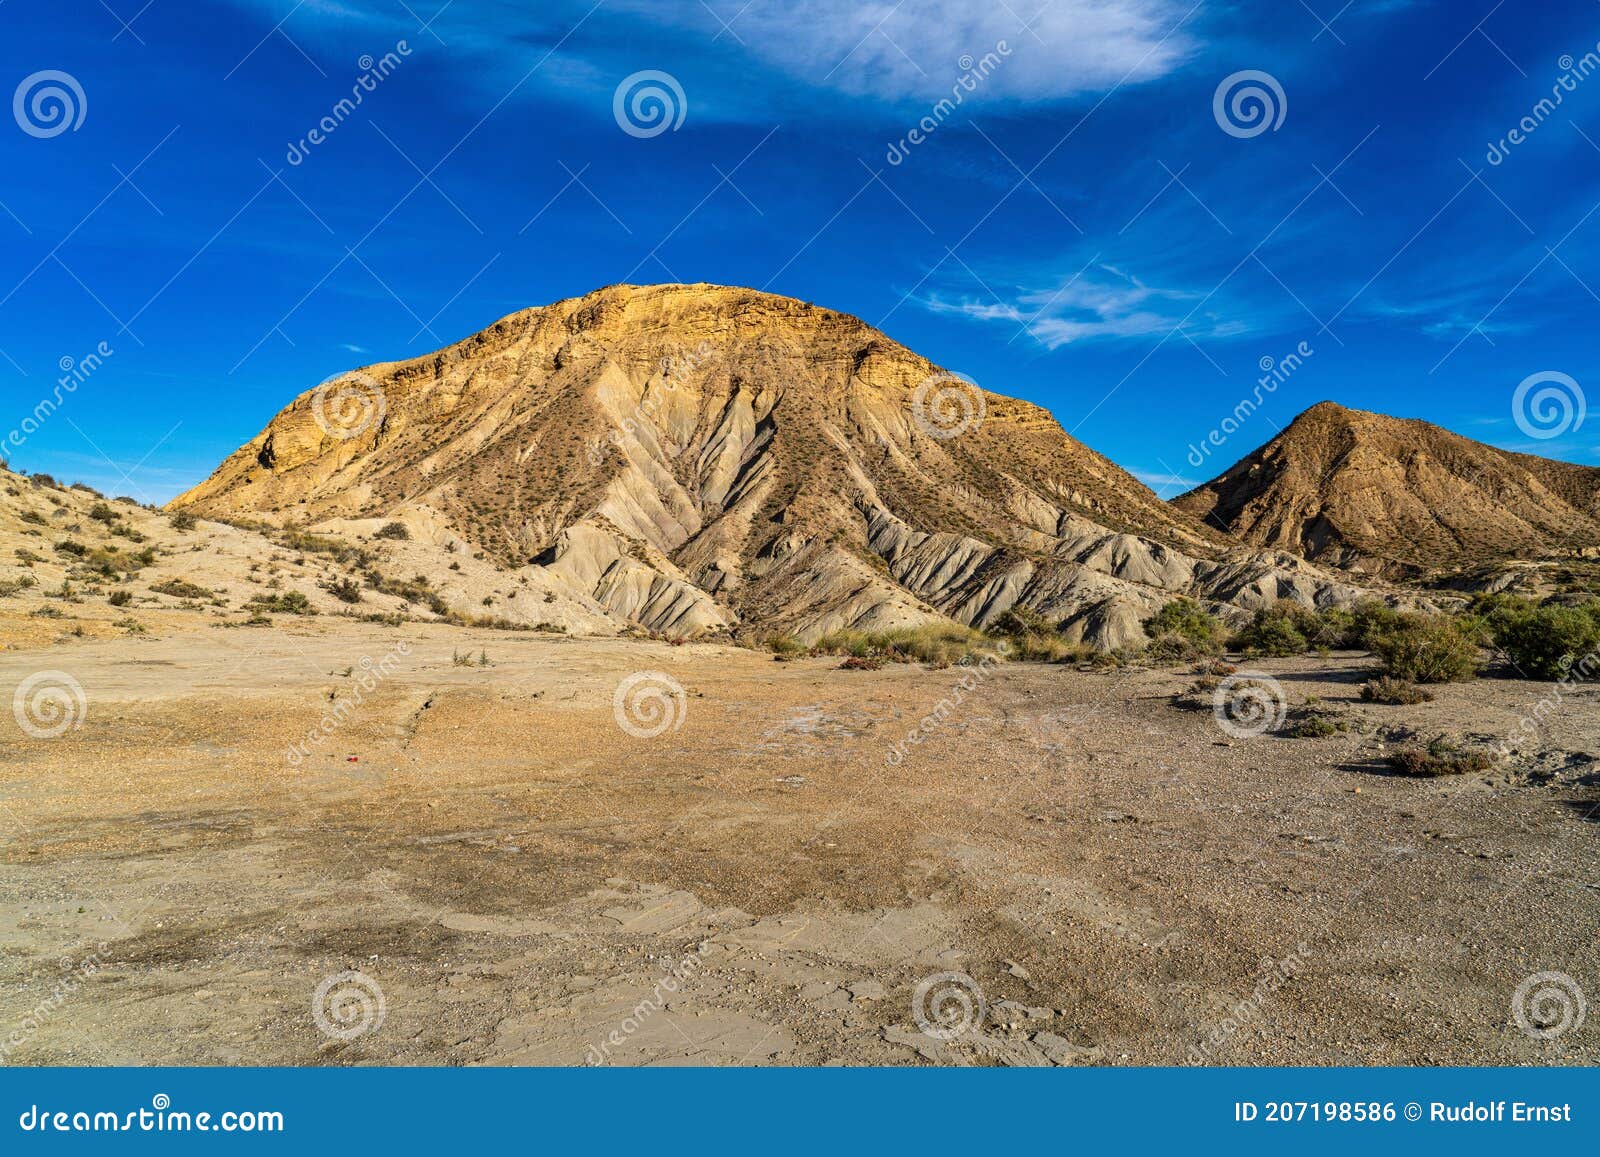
column 934, row 643
column 1397, row 692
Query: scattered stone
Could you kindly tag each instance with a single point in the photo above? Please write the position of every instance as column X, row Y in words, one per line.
column 867, row 990
column 1063, row 1052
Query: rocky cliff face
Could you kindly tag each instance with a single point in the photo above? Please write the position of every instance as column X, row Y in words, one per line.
column 694, row 458
column 1400, row 496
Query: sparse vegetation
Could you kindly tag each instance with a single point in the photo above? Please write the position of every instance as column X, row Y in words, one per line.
column 934, row 643
column 181, row 520
column 1031, row 637
column 1311, row 722
column 120, row 598
column 785, row 646
column 180, row 589
column 9, row 587
column 861, row 663
column 1552, row 641
column 284, row 603
column 1183, row 630
column 1396, row 692
column 346, row 590
column 1440, row 757
column 1424, row 648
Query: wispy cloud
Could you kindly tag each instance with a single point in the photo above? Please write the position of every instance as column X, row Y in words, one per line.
column 911, row 50
column 1099, row 302
column 1164, row 484
column 882, row 51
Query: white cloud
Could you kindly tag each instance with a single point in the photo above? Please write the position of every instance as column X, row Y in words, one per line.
column 916, row 49
column 909, row 52
column 1165, row 484
column 1102, row 302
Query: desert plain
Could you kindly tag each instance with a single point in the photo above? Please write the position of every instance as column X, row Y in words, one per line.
column 500, row 872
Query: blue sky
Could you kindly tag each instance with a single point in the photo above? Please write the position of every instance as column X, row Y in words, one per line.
column 1082, row 230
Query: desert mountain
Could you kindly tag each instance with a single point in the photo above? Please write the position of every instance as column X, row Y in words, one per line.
column 1376, row 493
column 692, row 458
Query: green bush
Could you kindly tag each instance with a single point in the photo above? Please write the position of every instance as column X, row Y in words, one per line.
column 1033, row 637
column 1546, row 642
column 1188, row 621
column 1274, row 631
column 394, row 530
column 346, row 590
column 287, row 603
column 1423, row 648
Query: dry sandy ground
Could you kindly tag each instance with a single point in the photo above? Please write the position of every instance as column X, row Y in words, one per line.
column 518, row 880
